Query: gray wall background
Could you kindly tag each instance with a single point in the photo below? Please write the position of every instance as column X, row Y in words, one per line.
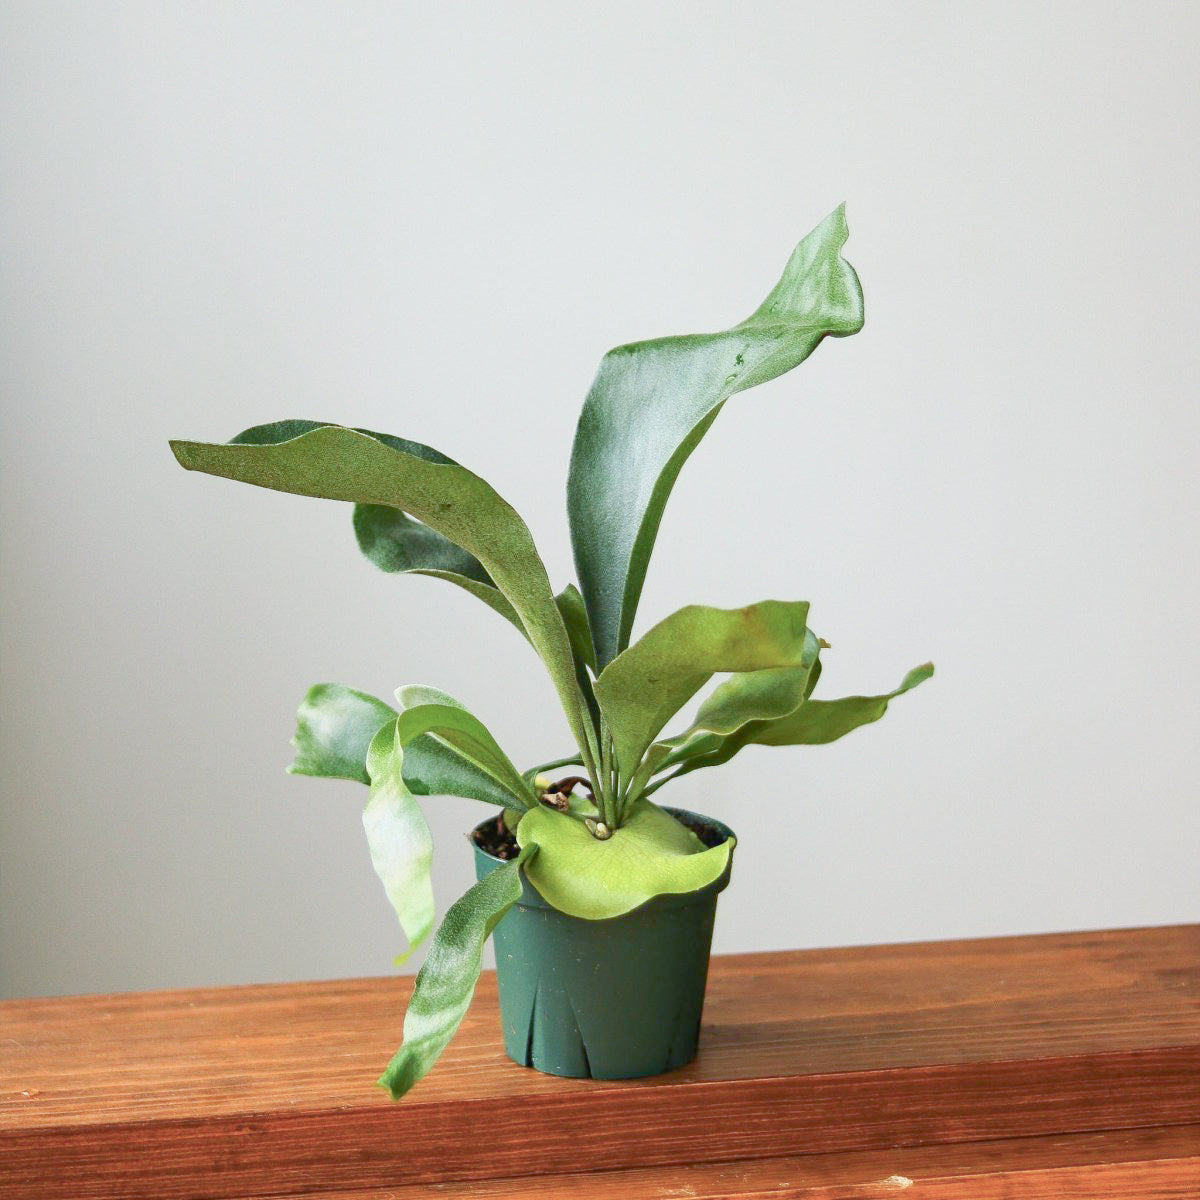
column 433, row 220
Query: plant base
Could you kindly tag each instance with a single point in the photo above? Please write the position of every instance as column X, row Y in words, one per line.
column 615, row 999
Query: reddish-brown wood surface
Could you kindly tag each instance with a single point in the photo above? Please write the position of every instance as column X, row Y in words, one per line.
column 269, row 1090
column 1149, row 1164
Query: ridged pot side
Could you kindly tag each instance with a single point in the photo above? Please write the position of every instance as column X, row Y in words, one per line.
column 614, row 999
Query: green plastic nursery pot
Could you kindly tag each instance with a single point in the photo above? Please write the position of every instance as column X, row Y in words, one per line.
column 613, row 999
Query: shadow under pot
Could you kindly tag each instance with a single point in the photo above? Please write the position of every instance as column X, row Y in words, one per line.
column 614, row 999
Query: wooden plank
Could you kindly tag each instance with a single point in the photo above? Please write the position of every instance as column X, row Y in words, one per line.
column 232, row 1091
column 314, row 1046
column 1140, row 1163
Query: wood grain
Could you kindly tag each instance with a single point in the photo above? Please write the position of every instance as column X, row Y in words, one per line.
column 1149, row 1164
column 269, row 1090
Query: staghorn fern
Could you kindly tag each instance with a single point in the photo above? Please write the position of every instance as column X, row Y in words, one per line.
column 418, row 511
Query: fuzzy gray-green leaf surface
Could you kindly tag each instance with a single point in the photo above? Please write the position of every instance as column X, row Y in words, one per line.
column 427, row 713
column 813, row 723
column 646, row 685
column 334, row 729
column 446, row 982
column 398, row 837
column 653, row 401
column 311, row 459
column 396, row 543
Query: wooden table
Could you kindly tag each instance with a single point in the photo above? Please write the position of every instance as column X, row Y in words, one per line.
column 1061, row 1065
